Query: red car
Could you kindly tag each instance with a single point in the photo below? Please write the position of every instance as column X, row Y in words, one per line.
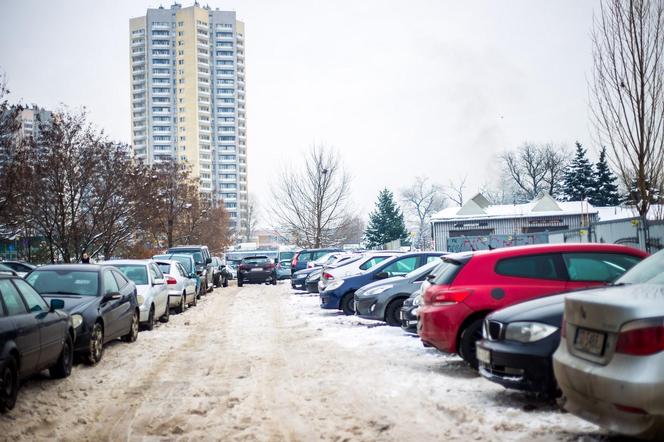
column 469, row 286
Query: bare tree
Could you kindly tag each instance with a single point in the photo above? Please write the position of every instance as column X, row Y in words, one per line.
column 455, row 191
column 311, row 202
column 535, row 169
column 421, row 200
column 252, row 217
column 11, row 159
column 627, row 93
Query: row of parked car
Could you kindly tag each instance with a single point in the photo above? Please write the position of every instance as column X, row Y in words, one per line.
column 53, row 313
column 579, row 322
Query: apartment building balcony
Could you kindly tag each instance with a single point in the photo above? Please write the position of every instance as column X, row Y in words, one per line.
column 138, row 43
column 157, row 25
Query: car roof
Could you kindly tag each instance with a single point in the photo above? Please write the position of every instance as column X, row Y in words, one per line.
column 4, row 276
column 126, row 261
column 193, row 246
column 72, row 267
column 183, row 255
column 256, row 256
column 559, row 248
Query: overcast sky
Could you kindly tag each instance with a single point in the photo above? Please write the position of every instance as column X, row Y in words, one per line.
column 433, row 88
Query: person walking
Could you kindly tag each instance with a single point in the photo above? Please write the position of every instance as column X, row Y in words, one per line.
column 85, row 258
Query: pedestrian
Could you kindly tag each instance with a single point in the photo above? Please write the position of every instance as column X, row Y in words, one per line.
column 85, row 258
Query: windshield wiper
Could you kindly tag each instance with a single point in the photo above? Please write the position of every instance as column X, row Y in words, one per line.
column 63, row 293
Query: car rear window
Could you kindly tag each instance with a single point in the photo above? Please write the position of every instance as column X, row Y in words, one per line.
column 446, row 271
column 530, row 266
column 165, row 268
column 598, row 267
column 256, row 260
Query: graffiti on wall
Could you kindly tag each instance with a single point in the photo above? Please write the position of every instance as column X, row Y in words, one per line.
column 490, row 242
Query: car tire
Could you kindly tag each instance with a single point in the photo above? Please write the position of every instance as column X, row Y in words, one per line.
column 239, row 281
column 469, row 336
column 393, row 311
column 150, row 324
column 195, row 301
column 348, row 304
column 274, row 279
column 10, row 385
column 132, row 334
column 96, row 345
column 225, row 283
column 215, row 282
column 62, row 367
column 167, row 314
column 183, row 303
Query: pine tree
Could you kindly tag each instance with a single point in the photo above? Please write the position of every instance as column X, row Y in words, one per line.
column 579, row 178
column 386, row 222
column 605, row 192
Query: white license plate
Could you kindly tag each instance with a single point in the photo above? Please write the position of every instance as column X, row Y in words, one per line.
column 484, row 355
column 589, row 341
column 257, row 269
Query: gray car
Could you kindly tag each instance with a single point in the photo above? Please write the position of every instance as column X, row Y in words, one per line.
column 382, row 300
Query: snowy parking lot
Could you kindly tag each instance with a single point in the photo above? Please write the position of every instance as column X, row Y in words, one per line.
column 263, row 363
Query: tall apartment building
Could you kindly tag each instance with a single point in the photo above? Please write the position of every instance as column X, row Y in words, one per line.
column 31, row 117
column 188, row 98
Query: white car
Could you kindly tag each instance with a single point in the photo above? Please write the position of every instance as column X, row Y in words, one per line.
column 151, row 287
column 181, row 288
column 351, row 267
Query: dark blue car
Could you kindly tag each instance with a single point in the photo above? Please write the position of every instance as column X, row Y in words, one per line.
column 302, row 257
column 339, row 295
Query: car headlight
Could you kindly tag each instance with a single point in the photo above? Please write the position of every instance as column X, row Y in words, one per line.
column 417, row 301
column 140, row 299
column 378, row 290
column 528, row 331
column 76, row 320
column 334, row 285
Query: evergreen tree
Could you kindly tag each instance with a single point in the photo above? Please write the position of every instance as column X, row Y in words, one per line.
column 605, row 192
column 386, row 222
column 579, row 178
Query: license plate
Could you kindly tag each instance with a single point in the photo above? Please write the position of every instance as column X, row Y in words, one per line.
column 589, row 341
column 257, row 269
column 484, row 355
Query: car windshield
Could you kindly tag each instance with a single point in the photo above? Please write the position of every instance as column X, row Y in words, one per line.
column 6, row 269
column 137, row 273
column 184, row 260
column 650, row 270
column 256, row 260
column 65, row 282
column 286, row 256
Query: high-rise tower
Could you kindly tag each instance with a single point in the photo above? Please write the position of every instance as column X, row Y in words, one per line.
column 188, row 98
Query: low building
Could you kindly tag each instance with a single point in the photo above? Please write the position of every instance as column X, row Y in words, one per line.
column 511, row 224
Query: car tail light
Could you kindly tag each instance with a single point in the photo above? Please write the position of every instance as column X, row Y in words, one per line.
column 279, row 266
column 295, row 258
column 641, row 338
column 327, row 276
column 243, row 267
column 628, row 409
column 444, row 295
column 270, row 266
column 171, row 280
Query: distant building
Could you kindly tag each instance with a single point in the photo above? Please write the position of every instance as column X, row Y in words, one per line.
column 30, row 119
column 478, row 217
column 188, row 98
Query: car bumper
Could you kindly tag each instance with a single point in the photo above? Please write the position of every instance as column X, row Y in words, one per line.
column 283, row 274
column 298, row 284
column 330, row 300
column 367, row 308
column 520, row 366
column 408, row 319
column 438, row 326
column 593, row 391
column 312, row 287
column 82, row 341
column 174, row 297
column 257, row 276
column 144, row 313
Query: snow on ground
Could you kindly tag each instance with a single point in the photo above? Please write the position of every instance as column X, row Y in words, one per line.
column 261, row 363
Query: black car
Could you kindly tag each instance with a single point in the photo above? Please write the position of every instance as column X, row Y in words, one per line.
column 311, row 282
column 203, row 261
column 257, row 268
column 33, row 337
column 407, row 315
column 519, row 341
column 299, row 278
column 101, row 301
column 221, row 274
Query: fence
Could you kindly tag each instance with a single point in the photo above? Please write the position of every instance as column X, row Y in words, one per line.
column 490, row 242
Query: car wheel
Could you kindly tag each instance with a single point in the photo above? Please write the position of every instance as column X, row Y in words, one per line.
column 195, row 301
column 239, row 281
column 183, row 303
column 96, row 346
column 469, row 336
column 132, row 335
column 217, row 281
column 348, row 304
column 274, row 279
column 392, row 313
column 10, row 384
column 167, row 314
column 225, row 284
column 150, row 324
column 62, row 367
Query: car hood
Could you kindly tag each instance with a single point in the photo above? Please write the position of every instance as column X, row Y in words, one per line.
column 73, row 303
column 548, row 309
column 393, row 281
column 304, row 272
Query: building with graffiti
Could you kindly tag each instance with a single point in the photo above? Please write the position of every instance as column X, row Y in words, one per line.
column 478, row 224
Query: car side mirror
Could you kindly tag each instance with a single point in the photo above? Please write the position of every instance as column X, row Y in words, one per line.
column 57, row 304
column 430, row 277
column 208, row 260
column 381, row 275
column 159, row 281
column 112, row 296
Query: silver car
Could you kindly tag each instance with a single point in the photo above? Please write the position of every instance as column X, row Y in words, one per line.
column 181, row 288
column 610, row 362
column 151, row 288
